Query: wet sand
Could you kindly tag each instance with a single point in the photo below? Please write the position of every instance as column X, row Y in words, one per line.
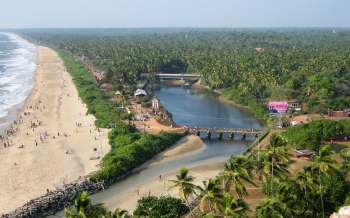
column 63, row 145
column 186, row 145
column 161, row 186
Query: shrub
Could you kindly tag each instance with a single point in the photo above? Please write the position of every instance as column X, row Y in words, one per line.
column 162, row 207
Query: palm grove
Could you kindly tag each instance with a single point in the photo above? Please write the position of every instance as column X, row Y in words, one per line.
column 309, row 65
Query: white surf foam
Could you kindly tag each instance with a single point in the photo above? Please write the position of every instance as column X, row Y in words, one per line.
column 16, row 80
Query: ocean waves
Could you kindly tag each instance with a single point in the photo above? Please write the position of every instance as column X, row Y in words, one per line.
column 17, row 65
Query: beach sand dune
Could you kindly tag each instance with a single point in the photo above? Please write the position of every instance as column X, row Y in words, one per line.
column 65, row 146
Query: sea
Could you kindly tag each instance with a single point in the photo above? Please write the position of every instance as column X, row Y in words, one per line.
column 17, row 66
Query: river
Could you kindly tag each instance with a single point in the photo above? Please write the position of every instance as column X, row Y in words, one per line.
column 189, row 107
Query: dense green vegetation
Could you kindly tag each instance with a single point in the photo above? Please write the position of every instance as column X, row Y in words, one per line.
column 313, row 134
column 162, row 207
column 105, row 112
column 151, row 206
column 310, row 65
column 129, row 147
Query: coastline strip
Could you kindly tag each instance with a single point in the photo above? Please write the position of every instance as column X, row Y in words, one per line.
column 55, row 142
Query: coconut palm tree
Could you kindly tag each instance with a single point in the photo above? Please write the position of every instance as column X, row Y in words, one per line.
column 276, row 159
column 237, row 171
column 184, row 183
column 323, row 164
column 83, row 208
column 345, row 167
column 271, row 162
column 211, row 195
column 231, row 207
column 256, row 160
column 273, row 208
column 305, row 181
column 323, row 160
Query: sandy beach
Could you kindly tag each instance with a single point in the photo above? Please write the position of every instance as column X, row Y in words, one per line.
column 53, row 141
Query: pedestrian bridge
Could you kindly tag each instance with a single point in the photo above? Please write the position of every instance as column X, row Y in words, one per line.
column 221, row 132
column 180, row 76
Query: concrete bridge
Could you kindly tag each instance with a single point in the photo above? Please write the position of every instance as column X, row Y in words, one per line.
column 220, row 132
column 180, row 76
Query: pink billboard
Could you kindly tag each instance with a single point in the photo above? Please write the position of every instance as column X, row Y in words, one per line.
column 278, row 106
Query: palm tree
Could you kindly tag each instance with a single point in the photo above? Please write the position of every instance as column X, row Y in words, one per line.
column 83, row 208
column 211, row 195
column 345, row 167
column 257, row 161
column 276, row 159
column 231, row 207
column 237, row 170
column 323, row 163
column 323, row 160
column 272, row 208
column 305, row 180
column 306, row 184
column 184, row 183
column 271, row 162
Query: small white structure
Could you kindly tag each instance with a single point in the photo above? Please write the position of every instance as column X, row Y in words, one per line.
column 294, row 123
column 140, row 92
column 118, row 93
column 155, row 105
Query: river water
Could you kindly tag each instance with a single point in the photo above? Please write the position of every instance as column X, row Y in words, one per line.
column 189, row 107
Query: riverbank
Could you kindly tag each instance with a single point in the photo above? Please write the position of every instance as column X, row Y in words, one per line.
column 55, row 142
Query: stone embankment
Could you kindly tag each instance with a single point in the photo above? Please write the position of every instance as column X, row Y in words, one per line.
column 54, row 201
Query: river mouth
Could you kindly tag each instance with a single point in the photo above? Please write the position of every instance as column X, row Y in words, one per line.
column 204, row 158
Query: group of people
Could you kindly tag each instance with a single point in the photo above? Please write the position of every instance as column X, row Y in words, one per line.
column 5, row 137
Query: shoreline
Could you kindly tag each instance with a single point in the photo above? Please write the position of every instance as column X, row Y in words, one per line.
column 14, row 111
column 30, row 169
